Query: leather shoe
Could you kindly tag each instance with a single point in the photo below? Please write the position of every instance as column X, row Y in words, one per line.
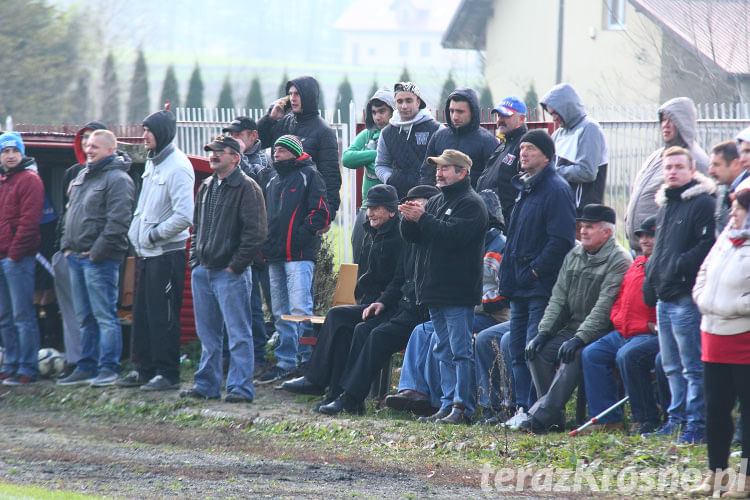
column 442, row 413
column 343, row 403
column 301, row 385
column 412, row 401
column 457, row 416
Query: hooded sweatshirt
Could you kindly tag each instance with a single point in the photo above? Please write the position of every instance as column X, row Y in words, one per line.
column 471, row 139
column 164, row 213
column 580, row 145
column 318, row 138
column 402, row 149
column 642, row 204
column 363, row 151
column 21, row 201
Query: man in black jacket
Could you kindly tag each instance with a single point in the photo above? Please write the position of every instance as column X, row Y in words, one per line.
column 403, row 142
column 463, row 133
column 502, row 166
column 377, row 264
column 449, row 233
column 298, row 114
column 684, row 235
column 230, row 228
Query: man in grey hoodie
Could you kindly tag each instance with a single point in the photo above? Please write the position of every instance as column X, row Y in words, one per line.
column 403, row 143
column 159, row 234
column 581, row 147
column 677, row 122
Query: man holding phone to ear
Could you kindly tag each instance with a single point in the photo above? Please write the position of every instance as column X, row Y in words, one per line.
column 298, row 114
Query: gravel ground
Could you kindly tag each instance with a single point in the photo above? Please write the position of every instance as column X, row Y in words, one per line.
column 131, row 457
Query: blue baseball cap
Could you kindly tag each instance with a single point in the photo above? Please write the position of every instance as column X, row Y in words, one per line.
column 12, row 140
column 510, row 106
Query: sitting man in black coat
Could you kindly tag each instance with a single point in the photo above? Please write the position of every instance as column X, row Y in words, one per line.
column 377, row 263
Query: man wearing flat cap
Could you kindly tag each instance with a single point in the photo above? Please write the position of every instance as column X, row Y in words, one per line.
column 377, row 264
column 577, row 315
column 230, row 228
column 449, row 234
column 540, row 232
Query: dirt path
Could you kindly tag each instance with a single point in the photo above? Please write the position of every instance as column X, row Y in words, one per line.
column 127, row 457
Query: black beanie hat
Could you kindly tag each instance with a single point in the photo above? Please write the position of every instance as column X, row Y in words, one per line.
column 541, row 139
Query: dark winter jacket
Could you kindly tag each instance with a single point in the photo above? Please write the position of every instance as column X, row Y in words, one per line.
column 21, row 202
column 102, row 198
column 501, row 167
column 297, row 209
column 541, row 231
column 450, row 247
column 580, row 146
column 377, row 260
column 236, row 234
column 684, row 235
column 402, row 148
column 254, row 162
column 471, row 139
column 317, row 137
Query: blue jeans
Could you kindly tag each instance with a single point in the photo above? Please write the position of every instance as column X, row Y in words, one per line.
column 18, row 323
column 420, row 371
column 291, row 293
column 525, row 315
column 680, row 347
column 453, row 329
column 492, row 365
column 634, row 358
column 94, row 289
column 221, row 298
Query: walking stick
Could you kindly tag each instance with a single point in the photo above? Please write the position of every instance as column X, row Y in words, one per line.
column 596, row 418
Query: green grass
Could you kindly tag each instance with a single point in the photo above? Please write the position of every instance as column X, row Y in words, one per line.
column 14, row 492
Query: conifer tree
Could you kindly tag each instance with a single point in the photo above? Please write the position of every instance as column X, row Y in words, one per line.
column 80, row 100
column 110, row 92
column 225, row 96
column 194, row 97
column 254, row 98
column 138, row 105
column 405, row 77
column 448, row 86
column 170, row 92
column 343, row 98
column 282, row 86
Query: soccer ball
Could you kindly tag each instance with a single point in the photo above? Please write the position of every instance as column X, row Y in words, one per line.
column 51, row 362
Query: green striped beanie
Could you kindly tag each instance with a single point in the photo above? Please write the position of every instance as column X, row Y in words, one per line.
column 291, row 143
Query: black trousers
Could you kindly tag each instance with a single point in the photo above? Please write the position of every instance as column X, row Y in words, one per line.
column 156, row 314
column 723, row 385
column 329, row 354
column 372, row 345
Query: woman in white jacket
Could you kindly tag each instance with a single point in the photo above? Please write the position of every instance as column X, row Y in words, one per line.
column 722, row 293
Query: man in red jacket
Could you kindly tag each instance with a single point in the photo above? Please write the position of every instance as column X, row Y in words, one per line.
column 631, row 346
column 21, row 200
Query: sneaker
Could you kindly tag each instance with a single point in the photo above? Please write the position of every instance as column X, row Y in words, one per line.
column 236, row 397
column 514, row 422
column 78, row 377
column 5, row 376
column 690, row 436
column 274, row 374
column 665, row 430
column 104, row 379
column 69, row 368
column 196, row 394
column 19, row 380
column 160, row 383
column 132, row 379
column 259, row 369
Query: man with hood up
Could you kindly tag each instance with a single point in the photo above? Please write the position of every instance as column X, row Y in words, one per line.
column 581, row 147
column 95, row 242
column 678, row 128
column 403, row 145
column 71, row 332
column 298, row 114
column 21, row 201
column 362, row 153
column 463, row 133
column 159, row 234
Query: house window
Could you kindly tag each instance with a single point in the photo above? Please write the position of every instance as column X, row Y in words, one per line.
column 614, row 14
column 403, row 49
column 424, row 49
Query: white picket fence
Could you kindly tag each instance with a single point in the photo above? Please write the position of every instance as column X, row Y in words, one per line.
column 632, row 134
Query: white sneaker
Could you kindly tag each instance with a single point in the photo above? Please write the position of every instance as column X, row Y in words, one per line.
column 514, row 422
